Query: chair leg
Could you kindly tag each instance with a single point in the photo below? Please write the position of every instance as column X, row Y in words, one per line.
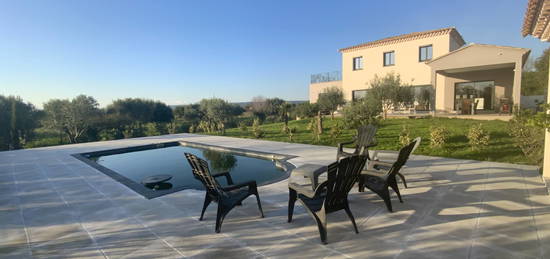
column 220, row 217
column 207, row 201
column 322, row 225
column 291, row 201
column 385, row 195
column 361, row 184
column 348, row 211
column 259, row 204
column 402, row 179
column 396, row 190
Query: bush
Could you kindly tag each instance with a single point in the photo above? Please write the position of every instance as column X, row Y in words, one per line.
column 405, row 136
column 291, row 132
column 243, row 126
column 133, row 131
column 528, row 133
column 438, row 136
column 362, row 112
column 477, row 137
column 335, row 132
column 256, row 130
column 110, row 134
column 152, row 129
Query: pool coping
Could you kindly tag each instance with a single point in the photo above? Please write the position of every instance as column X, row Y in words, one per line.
column 279, row 159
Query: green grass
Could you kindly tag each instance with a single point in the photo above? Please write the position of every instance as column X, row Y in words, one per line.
column 501, row 147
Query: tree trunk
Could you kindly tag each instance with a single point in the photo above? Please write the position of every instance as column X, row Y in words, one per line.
column 319, row 123
column 332, row 115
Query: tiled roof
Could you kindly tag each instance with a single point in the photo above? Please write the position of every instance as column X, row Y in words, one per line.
column 536, row 19
column 407, row 37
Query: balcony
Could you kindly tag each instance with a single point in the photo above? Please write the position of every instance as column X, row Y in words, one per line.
column 326, row 77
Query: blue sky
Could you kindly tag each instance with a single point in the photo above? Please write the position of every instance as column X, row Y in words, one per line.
column 182, row 51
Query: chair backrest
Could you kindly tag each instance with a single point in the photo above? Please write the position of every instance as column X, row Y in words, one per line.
column 403, row 156
column 341, row 177
column 200, row 170
column 418, row 139
column 365, row 136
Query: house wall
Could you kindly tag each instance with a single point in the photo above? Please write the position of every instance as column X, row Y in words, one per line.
column 407, row 62
column 503, row 78
column 317, row 88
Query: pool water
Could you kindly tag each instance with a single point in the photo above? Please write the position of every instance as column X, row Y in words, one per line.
column 139, row 165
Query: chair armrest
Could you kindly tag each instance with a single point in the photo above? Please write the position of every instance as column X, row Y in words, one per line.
column 372, row 164
column 341, row 145
column 227, row 177
column 320, row 188
column 250, row 184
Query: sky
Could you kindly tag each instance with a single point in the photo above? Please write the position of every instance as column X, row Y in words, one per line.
column 182, row 51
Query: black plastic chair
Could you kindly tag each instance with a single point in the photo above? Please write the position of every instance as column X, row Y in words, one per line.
column 329, row 196
column 363, row 141
column 386, row 165
column 380, row 180
column 226, row 197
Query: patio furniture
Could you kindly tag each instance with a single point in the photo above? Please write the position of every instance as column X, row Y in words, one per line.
column 386, row 165
column 363, row 141
column 226, row 197
column 329, row 196
column 379, row 180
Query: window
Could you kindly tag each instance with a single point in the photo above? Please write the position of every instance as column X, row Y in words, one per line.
column 357, row 63
column 480, row 94
column 425, row 53
column 359, row 94
column 389, row 58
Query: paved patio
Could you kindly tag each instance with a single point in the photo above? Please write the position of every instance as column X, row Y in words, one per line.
column 55, row 206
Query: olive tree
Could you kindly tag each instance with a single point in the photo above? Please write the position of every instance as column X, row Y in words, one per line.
column 391, row 92
column 330, row 99
column 74, row 117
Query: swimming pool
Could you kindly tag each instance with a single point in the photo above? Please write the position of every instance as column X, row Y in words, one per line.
column 130, row 166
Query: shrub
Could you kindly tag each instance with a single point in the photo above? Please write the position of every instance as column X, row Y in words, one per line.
column 527, row 129
column 151, row 129
column 110, row 134
column 134, row 130
column 438, row 136
column 477, row 137
column 362, row 112
column 315, row 129
column 192, row 129
column 243, row 126
column 291, row 132
column 256, row 130
column 405, row 136
column 335, row 132
column 285, row 129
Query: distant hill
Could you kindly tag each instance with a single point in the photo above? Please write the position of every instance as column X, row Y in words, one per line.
column 244, row 104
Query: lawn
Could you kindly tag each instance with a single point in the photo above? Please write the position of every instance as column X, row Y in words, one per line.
column 501, row 147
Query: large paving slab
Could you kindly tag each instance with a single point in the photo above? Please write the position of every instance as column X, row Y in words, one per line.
column 55, row 206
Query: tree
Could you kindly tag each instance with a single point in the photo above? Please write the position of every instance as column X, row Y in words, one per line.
column 306, row 110
column 55, row 118
column 17, row 122
column 131, row 110
column 362, row 112
column 217, row 112
column 330, row 99
column 73, row 117
column 188, row 113
column 535, row 81
column 391, row 92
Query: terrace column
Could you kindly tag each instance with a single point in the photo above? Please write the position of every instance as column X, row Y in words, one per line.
column 546, row 169
column 516, row 88
column 434, row 85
